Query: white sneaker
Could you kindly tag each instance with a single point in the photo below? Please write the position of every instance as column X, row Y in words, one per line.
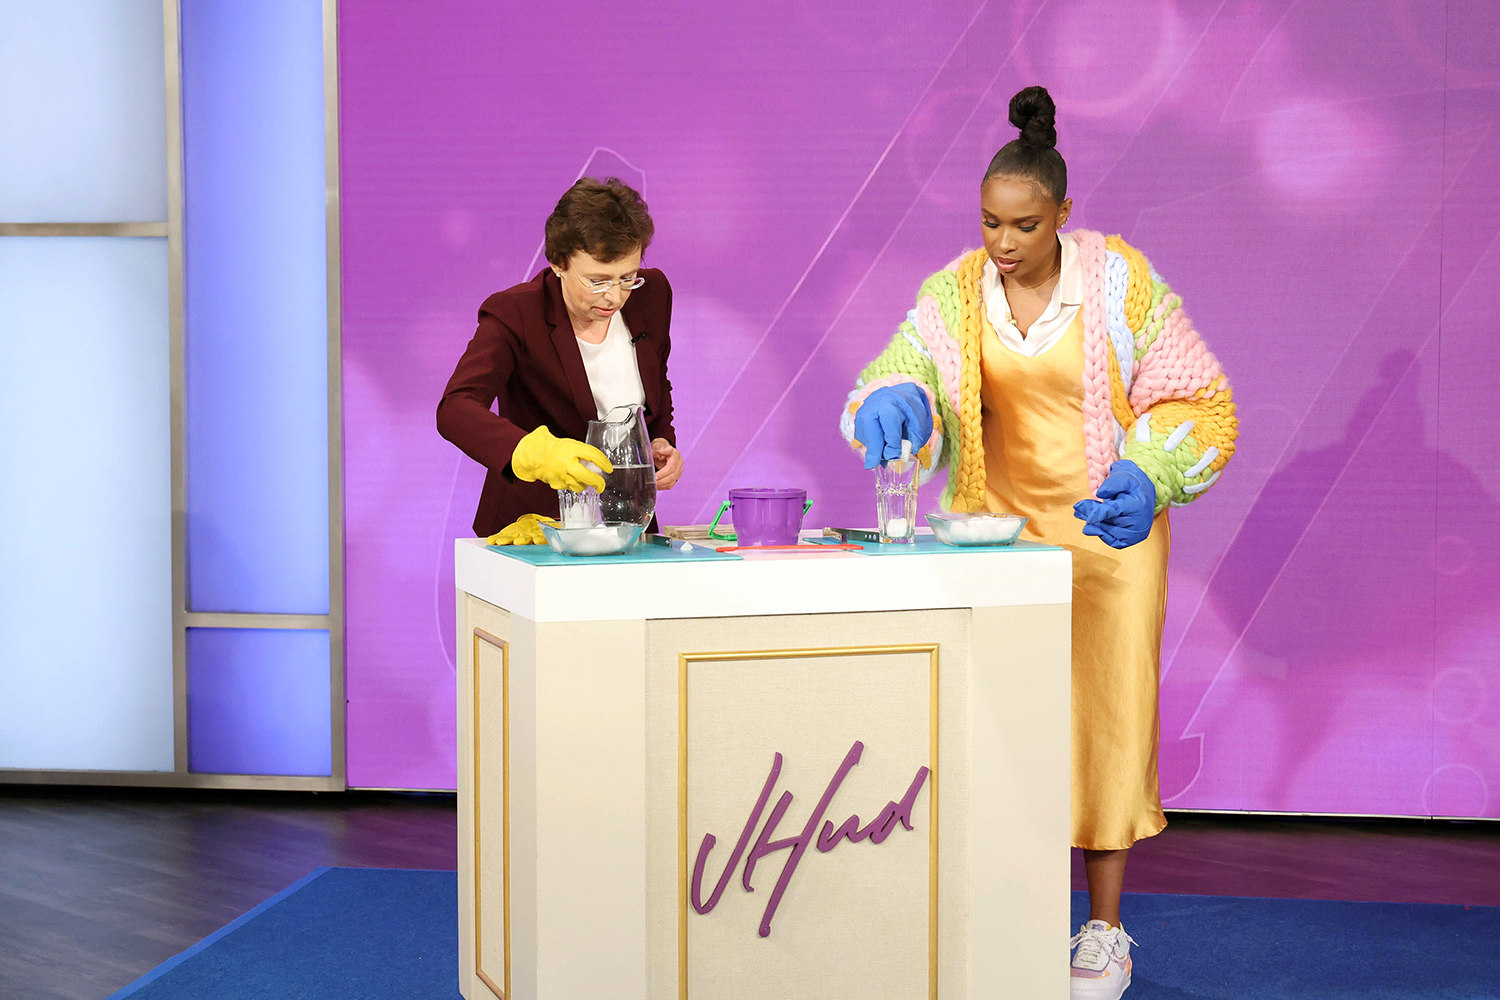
column 1101, row 965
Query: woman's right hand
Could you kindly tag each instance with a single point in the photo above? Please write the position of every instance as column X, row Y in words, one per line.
column 888, row 416
column 558, row 462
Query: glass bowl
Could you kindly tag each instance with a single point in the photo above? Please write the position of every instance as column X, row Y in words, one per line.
column 608, row 539
column 981, row 528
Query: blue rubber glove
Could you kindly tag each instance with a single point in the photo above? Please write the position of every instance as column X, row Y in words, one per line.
column 1122, row 515
column 888, row 415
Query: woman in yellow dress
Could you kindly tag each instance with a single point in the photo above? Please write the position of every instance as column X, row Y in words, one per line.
column 1057, row 377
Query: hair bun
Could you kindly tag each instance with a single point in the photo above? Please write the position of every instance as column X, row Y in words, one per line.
column 1033, row 112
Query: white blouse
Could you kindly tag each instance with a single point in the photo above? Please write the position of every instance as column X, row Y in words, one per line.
column 1067, row 297
column 614, row 374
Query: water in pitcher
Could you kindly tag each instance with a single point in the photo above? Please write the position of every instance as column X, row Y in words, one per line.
column 629, row 494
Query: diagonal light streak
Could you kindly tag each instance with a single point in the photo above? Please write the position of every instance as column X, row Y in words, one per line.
column 792, row 295
column 828, row 329
column 1353, row 454
column 1161, row 96
column 875, row 261
column 541, row 247
column 1250, row 63
column 1333, row 369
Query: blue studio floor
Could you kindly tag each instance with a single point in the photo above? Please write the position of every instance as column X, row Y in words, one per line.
column 372, row 933
column 1231, row 947
column 356, row 933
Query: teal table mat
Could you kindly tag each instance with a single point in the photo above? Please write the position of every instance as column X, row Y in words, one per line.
column 540, row 555
column 926, row 545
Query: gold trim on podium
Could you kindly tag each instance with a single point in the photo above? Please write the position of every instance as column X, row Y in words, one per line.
column 683, row 659
column 480, row 635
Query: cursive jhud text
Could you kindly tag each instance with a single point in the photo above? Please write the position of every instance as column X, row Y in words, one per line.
column 876, row 831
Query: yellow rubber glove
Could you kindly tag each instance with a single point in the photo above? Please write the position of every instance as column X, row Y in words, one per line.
column 525, row 530
column 558, row 462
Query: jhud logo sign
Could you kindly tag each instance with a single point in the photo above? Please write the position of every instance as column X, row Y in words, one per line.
column 876, row 831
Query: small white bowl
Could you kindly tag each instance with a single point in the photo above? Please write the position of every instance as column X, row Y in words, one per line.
column 608, row 539
column 980, row 528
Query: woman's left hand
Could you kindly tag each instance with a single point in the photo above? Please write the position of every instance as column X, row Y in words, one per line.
column 1122, row 509
column 668, row 463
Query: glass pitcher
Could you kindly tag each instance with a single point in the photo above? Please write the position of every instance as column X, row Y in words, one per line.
column 630, row 490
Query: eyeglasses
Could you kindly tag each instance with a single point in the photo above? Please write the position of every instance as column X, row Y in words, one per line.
column 600, row 287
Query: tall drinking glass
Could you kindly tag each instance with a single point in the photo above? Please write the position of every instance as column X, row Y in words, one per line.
column 896, row 497
column 579, row 508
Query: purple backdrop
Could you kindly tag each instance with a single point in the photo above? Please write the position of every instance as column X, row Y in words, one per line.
column 1317, row 179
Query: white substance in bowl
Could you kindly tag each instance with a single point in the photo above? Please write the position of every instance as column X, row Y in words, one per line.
column 981, row 531
column 598, row 540
column 976, row 529
column 593, row 541
column 596, row 543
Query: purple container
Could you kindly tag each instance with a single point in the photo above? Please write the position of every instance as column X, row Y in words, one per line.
column 767, row 516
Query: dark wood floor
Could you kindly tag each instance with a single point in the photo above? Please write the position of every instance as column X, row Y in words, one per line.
column 97, row 887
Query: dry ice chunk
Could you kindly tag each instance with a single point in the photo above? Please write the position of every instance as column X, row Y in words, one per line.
column 897, row 527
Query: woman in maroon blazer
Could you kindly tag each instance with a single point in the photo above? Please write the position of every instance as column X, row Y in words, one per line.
column 588, row 333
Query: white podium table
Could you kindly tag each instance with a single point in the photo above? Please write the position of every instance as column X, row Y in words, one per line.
column 807, row 776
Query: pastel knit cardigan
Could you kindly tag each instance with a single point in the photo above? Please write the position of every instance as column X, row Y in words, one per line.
column 1152, row 393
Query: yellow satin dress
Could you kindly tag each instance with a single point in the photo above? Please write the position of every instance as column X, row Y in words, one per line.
column 1035, row 466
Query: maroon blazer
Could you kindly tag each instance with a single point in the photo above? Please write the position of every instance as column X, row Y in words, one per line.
column 525, row 356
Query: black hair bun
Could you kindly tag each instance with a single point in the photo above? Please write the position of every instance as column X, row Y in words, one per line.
column 1033, row 112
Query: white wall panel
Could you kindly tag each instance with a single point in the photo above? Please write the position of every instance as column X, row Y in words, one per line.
column 82, row 111
column 85, row 501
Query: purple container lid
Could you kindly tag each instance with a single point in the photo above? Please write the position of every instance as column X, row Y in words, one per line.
column 767, row 493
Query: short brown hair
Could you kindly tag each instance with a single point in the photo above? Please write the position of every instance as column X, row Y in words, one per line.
column 605, row 220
